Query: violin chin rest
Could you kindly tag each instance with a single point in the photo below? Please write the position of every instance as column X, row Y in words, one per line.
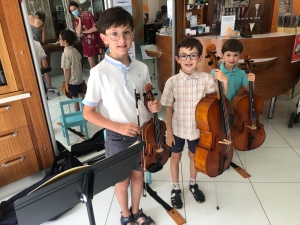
column 155, row 168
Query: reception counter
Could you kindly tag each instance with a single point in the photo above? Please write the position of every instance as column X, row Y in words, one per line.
column 275, row 74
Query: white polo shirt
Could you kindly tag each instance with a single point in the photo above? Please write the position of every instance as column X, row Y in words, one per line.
column 111, row 88
column 39, row 51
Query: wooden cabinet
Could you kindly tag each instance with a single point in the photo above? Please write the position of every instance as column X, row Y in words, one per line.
column 25, row 146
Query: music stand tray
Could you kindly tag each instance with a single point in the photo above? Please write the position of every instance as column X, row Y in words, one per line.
column 63, row 194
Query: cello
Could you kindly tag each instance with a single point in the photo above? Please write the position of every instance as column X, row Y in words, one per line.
column 156, row 152
column 214, row 150
column 248, row 133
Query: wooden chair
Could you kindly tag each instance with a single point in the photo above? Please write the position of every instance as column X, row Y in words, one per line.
column 70, row 118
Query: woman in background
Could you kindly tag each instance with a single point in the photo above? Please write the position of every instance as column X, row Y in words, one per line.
column 37, row 22
column 85, row 24
column 164, row 14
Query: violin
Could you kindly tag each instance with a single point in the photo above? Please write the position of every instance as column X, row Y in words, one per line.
column 63, row 89
column 214, row 150
column 156, row 152
column 248, row 133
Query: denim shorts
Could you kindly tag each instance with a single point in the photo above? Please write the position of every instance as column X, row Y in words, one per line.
column 116, row 143
column 75, row 89
column 179, row 145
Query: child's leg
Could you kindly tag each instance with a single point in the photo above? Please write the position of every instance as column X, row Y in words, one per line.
column 137, row 183
column 174, row 165
column 91, row 61
column 76, row 104
column 48, row 79
column 121, row 190
column 198, row 194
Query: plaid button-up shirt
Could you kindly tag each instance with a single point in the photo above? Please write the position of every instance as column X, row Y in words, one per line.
column 183, row 92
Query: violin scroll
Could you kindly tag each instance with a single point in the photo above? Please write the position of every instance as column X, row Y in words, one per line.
column 211, row 54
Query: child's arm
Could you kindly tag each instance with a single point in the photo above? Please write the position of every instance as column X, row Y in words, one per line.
column 219, row 75
column 251, row 77
column 43, row 33
column 67, row 73
column 128, row 129
column 170, row 140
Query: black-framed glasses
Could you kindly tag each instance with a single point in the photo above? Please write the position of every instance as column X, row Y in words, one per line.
column 115, row 36
column 184, row 56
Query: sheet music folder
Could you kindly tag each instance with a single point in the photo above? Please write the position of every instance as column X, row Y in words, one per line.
column 63, row 194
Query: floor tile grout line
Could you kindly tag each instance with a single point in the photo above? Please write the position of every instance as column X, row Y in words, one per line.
column 260, row 201
column 112, row 199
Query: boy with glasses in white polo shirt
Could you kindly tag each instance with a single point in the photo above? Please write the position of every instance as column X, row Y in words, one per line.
column 181, row 94
column 111, row 89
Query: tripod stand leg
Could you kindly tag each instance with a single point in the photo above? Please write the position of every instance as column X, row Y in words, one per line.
column 89, row 207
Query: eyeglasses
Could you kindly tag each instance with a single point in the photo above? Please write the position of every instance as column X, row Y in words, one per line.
column 184, row 56
column 115, row 36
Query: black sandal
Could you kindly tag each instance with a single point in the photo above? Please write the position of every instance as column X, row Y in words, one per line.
column 148, row 219
column 198, row 194
column 176, row 199
column 125, row 220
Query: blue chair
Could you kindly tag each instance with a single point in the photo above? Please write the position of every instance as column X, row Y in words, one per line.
column 71, row 118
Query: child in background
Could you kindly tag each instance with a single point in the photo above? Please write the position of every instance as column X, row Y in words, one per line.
column 181, row 95
column 237, row 78
column 71, row 64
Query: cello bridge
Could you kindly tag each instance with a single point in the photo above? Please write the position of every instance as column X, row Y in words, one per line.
column 252, row 127
column 159, row 150
column 225, row 142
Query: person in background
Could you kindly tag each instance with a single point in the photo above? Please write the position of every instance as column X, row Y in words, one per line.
column 85, row 24
column 44, row 64
column 71, row 64
column 37, row 22
column 164, row 14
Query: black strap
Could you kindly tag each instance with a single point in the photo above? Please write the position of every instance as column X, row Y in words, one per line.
column 154, row 195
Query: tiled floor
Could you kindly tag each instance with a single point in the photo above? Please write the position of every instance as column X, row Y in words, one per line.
column 270, row 196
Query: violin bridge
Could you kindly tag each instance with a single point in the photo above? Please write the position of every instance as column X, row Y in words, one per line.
column 159, row 150
column 253, row 127
column 225, row 142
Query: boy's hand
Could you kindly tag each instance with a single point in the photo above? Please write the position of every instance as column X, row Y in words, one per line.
column 67, row 88
column 154, row 106
column 170, row 140
column 251, row 77
column 129, row 129
column 219, row 75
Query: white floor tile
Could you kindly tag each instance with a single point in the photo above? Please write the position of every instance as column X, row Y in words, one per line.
column 238, row 205
column 280, row 201
column 290, row 135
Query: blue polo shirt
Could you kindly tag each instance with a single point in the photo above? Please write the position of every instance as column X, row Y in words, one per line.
column 236, row 79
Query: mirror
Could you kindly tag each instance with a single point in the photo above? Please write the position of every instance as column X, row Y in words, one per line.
column 62, row 16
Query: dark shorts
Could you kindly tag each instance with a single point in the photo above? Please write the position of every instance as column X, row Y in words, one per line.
column 75, row 89
column 178, row 147
column 116, row 143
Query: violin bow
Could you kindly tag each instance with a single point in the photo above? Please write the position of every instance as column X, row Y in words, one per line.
column 137, row 98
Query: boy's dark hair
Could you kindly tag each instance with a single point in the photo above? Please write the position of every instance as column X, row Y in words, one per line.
column 41, row 15
column 72, row 3
column 232, row 45
column 68, row 36
column 114, row 17
column 191, row 43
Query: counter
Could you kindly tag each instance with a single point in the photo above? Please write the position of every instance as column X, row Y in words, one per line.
column 272, row 79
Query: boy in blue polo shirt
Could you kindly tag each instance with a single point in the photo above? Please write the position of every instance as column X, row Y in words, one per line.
column 231, row 52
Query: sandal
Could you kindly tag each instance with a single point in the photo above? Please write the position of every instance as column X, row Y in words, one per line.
column 176, row 199
column 148, row 219
column 198, row 194
column 125, row 220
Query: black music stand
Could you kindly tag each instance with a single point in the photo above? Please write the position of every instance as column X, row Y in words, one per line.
column 60, row 196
